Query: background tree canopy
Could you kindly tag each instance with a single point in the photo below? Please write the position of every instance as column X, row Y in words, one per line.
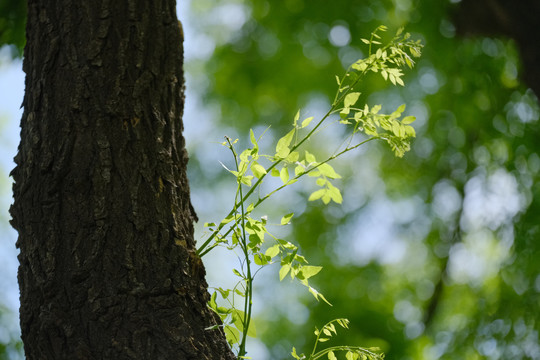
column 430, row 256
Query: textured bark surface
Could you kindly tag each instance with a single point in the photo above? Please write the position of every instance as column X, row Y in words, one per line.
column 515, row 19
column 107, row 262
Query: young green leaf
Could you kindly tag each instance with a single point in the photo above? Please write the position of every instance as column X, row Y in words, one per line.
column 282, row 147
column 252, row 138
column 231, row 334
column 296, row 117
column 306, row 122
column 351, row 99
column 292, row 157
column 310, row 270
column 257, row 170
column 260, row 260
column 284, row 271
column 284, row 175
column 317, row 295
column 296, row 356
column 328, row 171
column 335, row 194
column 310, row 158
column 316, row 195
column 408, row 120
column 272, row 251
column 246, row 180
column 286, row 219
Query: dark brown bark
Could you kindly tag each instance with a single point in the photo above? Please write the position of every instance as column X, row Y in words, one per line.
column 107, row 262
column 514, row 19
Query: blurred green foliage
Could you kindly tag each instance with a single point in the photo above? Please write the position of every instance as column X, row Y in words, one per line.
column 12, row 25
column 431, row 256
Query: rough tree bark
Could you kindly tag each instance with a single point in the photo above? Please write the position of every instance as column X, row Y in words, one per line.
column 107, row 262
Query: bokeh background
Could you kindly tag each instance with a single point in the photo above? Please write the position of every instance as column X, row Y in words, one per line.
column 432, row 256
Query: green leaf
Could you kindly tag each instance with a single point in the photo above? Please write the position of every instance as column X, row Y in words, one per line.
column 296, row 356
column 321, row 181
column 284, row 175
column 296, row 117
column 237, row 273
column 224, row 293
column 286, row 219
column 212, row 302
column 231, row 334
column 299, row 170
column 252, row 138
column 316, row 195
column 257, row 170
column 344, row 323
column 309, row 271
column 275, row 172
column 306, row 122
column 238, row 319
column 260, row 259
column 252, row 332
column 317, row 295
column 351, row 99
column 292, row 157
column 328, row 171
column 310, row 158
column 360, row 65
column 344, row 112
column 227, row 220
column 272, row 251
column 246, row 180
column 282, row 147
column 409, row 130
column 331, row 355
column 326, row 199
column 284, row 271
column 408, row 120
column 335, row 194
column 375, row 109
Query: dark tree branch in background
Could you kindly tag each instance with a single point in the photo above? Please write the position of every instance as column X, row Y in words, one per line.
column 515, row 19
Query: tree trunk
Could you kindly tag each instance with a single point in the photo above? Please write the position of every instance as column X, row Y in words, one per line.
column 107, row 262
column 515, row 19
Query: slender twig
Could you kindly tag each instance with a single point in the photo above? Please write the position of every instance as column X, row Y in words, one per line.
column 244, row 246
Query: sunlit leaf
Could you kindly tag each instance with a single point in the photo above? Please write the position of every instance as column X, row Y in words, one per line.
column 286, row 219
column 351, row 99
column 306, row 122
column 282, row 147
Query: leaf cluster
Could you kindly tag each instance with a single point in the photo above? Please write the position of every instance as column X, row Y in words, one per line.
column 290, row 162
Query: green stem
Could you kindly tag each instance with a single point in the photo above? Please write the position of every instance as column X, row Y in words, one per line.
column 313, row 168
column 201, row 251
column 249, row 279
